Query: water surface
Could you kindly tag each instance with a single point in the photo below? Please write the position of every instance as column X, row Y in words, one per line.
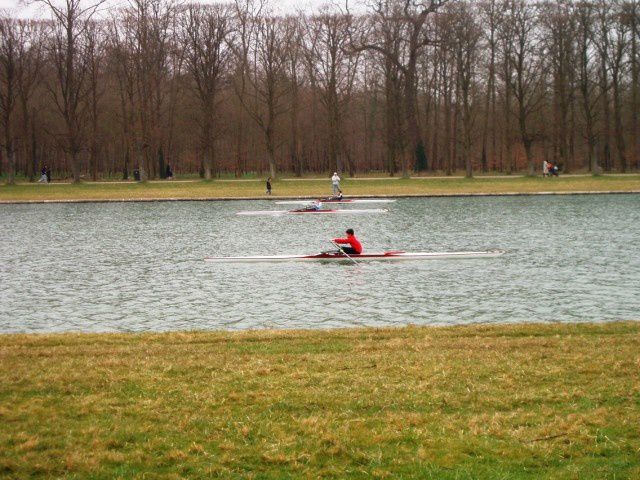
column 138, row 266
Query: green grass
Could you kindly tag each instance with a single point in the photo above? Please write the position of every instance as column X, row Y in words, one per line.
column 314, row 187
column 519, row 401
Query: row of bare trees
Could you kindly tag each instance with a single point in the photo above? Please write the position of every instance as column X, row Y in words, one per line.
column 402, row 86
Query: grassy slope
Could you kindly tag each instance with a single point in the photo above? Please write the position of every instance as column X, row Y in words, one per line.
column 538, row 401
column 415, row 186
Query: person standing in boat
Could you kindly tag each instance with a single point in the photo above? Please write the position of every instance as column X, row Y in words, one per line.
column 354, row 248
column 335, row 181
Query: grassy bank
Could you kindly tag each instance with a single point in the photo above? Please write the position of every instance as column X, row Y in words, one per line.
column 538, row 401
column 314, row 187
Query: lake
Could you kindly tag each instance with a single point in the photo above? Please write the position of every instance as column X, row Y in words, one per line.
column 124, row 267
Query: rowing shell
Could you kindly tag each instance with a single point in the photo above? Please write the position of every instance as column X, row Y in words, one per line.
column 344, row 200
column 379, row 256
column 315, row 212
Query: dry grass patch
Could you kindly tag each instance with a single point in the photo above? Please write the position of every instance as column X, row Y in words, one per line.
column 296, row 187
column 554, row 401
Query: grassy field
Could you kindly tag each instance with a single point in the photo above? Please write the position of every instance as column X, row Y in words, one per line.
column 526, row 401
column 314, row 187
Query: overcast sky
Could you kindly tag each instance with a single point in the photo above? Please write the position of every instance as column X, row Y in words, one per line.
column 20, row 9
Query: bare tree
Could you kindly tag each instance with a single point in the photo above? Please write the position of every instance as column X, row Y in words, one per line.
column 506, row 35
column 489, row 16
column 151, row 27
column 71, row 21
column 266, row 75
column 122, row 66
column 246, row 11
column 529, row 67
column 632, row 17
column 602, row 42
column 94, row 57
column 334, row 72
column 10, row 33
column 412, row 16
column 588, row 88
column 466, row 37
column 30, row 62
column 559, row 23
column 618, row 66
column 297, row 78
column 206, row 30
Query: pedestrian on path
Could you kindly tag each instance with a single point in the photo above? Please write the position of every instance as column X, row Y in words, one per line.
column 335, row 181
column 44, row 175
column 269, row 186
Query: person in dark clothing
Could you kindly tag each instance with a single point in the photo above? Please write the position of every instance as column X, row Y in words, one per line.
column 48, row 174
column 43, row 175
column 269, row 186
column 168, row 173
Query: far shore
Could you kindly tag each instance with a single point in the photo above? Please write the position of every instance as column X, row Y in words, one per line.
column 253, row 189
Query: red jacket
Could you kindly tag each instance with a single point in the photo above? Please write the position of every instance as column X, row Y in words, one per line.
column 351, row 240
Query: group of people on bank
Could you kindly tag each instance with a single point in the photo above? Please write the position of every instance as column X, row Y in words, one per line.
column 549, row 169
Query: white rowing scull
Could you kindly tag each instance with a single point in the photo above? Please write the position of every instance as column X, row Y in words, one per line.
column 344, row 200
column 314, row 212
column 377, row 256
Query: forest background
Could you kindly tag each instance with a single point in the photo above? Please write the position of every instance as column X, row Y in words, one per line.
column 397, row 87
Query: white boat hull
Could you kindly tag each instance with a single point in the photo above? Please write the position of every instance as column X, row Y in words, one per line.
column 276, row 213
column 343, row 201
column 378, row 256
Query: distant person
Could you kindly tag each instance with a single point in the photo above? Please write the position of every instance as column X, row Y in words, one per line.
column 43, row 175
column 311, row 207
column 48, row 174
column 333, row 198
column 335, row 181
column 354, row 248
column 269, row 186
column 553, row 170
column 168, row 173
column 136, row 174
column 545, row 168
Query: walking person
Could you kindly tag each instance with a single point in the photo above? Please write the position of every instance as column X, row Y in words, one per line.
column 43, row 175
column 335, row 181
column 545, row 168
column 269, row 186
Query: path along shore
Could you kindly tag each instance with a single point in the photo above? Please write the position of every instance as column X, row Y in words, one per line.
column 224, row 190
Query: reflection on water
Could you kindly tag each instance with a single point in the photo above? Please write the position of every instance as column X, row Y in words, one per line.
column 138, row 267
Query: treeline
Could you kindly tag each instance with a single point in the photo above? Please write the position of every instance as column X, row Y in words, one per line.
column 402, row 86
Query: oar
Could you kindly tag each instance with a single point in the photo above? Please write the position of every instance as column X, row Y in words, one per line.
column 343, row 252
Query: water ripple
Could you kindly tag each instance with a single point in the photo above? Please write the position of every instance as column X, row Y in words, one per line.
column 138, row 267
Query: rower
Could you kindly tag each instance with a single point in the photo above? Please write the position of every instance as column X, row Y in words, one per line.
column 338, row 196
column 354, row 248
column 311, row 207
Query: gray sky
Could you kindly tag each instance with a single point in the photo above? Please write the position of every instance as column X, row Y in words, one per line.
column 19, row 8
